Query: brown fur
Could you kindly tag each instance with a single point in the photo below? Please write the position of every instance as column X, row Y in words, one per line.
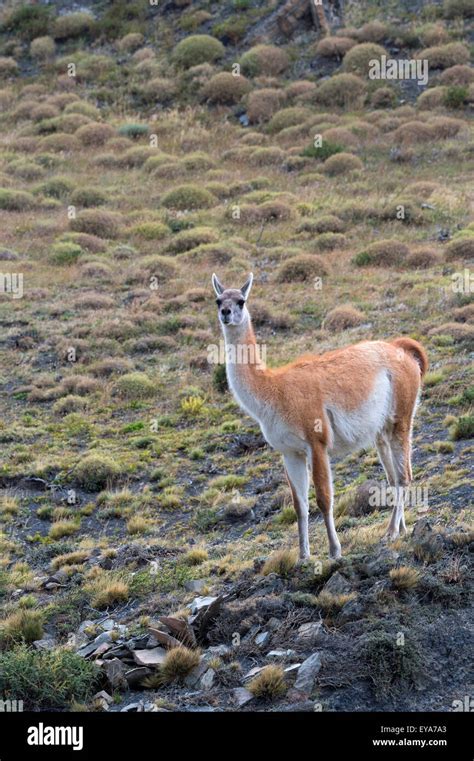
column 341, row 380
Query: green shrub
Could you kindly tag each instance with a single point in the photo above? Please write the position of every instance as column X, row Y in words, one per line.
column 135, row 386
column 384, row 253
column 56, row 187
column 188, row 239
column 458, row 8
column 27, row 170
column 45, row 679
column 323, row 151
column 84, row 108
column 8, row 67
column 225, row 88
column 444, row 56
column 456, row 96
column 15, row 200
column 65, row 252
column 196, row 49
column 262, row 104
column 288, row 117
column 334, row 47
column 95, row 471
column 28, row 21
column 188, row 197
column 392, row 669
column 104, row 224
column 358, row 59
column 301, row 268
column 95, row 133
column 231, row 30
column 463, row 428
column 130, row 42
column 460, row 248
column 343, row 90
column 133, row 131
column 266, row 60
column 342, row 163
column 42, row 48
column 87, row 197
column 158, row 90
column 72, row 25
column 383, row 97
column 150, row 230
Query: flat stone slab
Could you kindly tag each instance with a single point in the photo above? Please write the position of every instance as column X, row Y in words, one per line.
column 150, row 658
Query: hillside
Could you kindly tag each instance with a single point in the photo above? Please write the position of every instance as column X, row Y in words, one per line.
column 147, row 537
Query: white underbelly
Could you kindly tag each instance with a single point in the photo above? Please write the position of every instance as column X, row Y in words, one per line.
column 281, row 437
column 357, row 429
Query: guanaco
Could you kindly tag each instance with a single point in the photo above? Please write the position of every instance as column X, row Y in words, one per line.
column 326, row 405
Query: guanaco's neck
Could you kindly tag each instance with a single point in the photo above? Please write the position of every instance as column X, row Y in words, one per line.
column 246, row 371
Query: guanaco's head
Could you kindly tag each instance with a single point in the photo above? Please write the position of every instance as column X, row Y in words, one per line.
column 231, row 302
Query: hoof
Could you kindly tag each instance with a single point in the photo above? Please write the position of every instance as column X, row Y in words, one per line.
column 303, row 561
column 335, row 554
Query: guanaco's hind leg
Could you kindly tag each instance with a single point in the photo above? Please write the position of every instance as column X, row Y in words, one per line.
column 385, row 456
column 323, row 485
column 400, row 447
column 297, row 474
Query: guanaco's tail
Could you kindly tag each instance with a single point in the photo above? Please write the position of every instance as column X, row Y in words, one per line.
column 415, row 349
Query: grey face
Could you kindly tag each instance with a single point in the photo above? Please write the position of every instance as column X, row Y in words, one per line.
column 231, row 306
column 231, row 301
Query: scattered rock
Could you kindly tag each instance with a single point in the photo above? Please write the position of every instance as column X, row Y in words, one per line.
column 337, row 584
column 207, row 679
column 305, row 706
column 307, row 673
column 201, row 603
column 241, row 696
column 101, row 700
column 273, row 624
column 115, row 672
column 138, row 643
column 142, row 706
column 135, row 676
column 253, row 672
column 353, row 610
column 150, row 658
column 163, row 638
column 219, row 651
column 197, row 672
column 280, row 655
column 48, row 643
column 179, row 628
column 205, row 614
column 381, row 562
column 92, row 646
column 309, row 633
column 86, row 625
column 292, row 670
column 262, row 639
column 194, row 585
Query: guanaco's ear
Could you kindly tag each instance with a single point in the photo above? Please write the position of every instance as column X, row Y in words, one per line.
column 217, row 285
column 245, row 290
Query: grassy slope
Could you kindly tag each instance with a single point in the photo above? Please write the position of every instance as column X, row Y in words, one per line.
column 182, row 475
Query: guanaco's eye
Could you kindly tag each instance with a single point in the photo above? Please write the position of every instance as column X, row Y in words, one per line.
column 218, row 302
column 241, row 303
